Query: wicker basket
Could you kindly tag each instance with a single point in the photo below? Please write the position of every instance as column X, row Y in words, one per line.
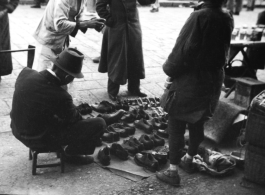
column 255, row 128
column 255, row 164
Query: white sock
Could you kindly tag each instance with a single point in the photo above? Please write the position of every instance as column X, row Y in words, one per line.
column 173, row 167
column 189, row 157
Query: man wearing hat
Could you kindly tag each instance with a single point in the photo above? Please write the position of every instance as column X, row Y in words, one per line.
column 43, row 114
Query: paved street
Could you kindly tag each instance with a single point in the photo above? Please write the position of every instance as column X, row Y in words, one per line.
column 160, row 31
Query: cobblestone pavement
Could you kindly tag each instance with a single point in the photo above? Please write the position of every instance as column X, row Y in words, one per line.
column 160, row 31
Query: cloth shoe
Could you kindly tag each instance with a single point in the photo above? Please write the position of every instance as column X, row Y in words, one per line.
column 96, row 59
column 104, row 156
column 143, row 125
column 162, row 133
column 112, row 118
column 103, row 107
column 116, row 135
column 187, row 165
column 128, row 118
column 108, row 137
column 131, row 148
column 117, row 150
column 157, row 140
column 138, row 144
column 170, row 177
column 116, row 127
column 147, row 142
column 147, row 161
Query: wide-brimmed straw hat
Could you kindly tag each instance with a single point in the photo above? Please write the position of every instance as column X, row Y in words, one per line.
column 70, row 60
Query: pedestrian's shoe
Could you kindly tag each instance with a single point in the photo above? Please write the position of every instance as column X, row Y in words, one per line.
column 187, row 165
column 147, row 161
column 147, row 142
column 78, row 159
column 162, row 133
column 116, row 135
column 158, row 141
column 116, row 127
column 96, row 59
column 108, row 137
column 117, row 150
column 131, row 148
column 35, row 6
column 104, row 156
column 137, row 93
column 153, row 10
column 103, row 107
column 144, row 126
column 138, row 144
column 112, row 118
column 170, row 177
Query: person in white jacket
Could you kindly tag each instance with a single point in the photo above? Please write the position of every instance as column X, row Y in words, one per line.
column 61, row 18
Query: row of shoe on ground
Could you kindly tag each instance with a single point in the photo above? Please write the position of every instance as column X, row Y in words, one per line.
column 107, row 107
column 148, row 151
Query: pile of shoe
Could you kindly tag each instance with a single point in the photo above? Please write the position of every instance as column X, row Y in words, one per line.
column 84, row 108
column 107, row 107
column 117, row 130
column 145, row 142
column 104, row 154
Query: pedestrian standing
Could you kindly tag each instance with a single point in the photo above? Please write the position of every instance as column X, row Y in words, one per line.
column 196, row 67
column 122, row 52
column 61, row 18
column 6, row 7
column 250, row 5
column 235, row 6
column 155, row 7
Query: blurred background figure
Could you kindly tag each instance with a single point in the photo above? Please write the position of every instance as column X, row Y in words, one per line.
column 155, row 7
column 235, row 6
column 37, row 4
column 6, row 7
column 250, row 5
column 261, row 18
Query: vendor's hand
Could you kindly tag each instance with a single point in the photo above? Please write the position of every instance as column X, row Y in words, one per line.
column 2, row 13
column 94, row 23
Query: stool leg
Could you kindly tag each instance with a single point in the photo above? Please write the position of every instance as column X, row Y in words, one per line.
column 62, row 162
column 30, row 154
column 34, row 162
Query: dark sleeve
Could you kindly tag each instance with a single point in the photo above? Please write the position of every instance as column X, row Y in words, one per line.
column 74, row 32
column 186, row 45
column 11, row 6
column 103, row 11
column 146, row 2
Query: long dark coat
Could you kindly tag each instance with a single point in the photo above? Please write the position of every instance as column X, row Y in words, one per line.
column 196, row 63
column 6, row 66
column 121, row 52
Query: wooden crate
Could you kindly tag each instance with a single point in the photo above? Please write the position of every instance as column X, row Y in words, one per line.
column 246, row 90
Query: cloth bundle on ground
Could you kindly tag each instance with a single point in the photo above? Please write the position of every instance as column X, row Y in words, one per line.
column 214, row 163
column 225, row 114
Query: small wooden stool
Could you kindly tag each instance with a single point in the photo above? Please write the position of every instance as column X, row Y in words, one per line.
column 33, row 155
